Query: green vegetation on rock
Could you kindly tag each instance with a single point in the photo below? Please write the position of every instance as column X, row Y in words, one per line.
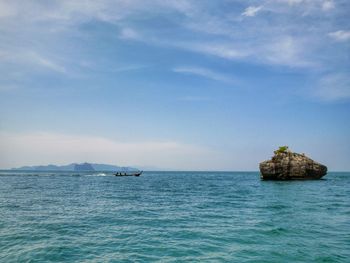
column 281, row 149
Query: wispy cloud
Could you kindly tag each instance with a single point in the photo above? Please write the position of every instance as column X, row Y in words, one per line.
column 131, row 67
column 39, row 60
column 251, row 10
column 306, row 7
column 6, row 9
column 291, row 2
column 31, row 59
column 333, row 87
column 129, row 33
column 251, row 41
column 286, row 50
column 266, row 38
column 97, row 67
column 340, row 35
column 279, row 50
column 328, row 5
column 223, row 50
column 205, row 73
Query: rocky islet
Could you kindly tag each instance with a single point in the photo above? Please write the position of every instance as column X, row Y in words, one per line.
column 287, row 165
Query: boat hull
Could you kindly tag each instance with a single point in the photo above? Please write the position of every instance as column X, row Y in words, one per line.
column 128, row 174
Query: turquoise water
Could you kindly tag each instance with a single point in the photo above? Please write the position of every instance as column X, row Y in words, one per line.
column 173, row 217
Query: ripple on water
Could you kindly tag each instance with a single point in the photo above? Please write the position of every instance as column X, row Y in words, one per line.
column 173, row 217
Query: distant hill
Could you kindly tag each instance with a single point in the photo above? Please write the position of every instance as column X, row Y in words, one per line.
column 84, row 167
column 76, row 167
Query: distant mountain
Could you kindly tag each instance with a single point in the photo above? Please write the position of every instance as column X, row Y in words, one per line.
column 76, row 167
column 84, row 167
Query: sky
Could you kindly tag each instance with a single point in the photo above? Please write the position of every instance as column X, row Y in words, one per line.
column 174, row 84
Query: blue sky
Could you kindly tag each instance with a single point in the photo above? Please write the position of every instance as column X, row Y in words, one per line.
column 189, row 85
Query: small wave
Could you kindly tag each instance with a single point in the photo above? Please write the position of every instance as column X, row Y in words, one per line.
column 98, row 174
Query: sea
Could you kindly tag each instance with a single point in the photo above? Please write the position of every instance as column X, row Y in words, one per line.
column 172, row 217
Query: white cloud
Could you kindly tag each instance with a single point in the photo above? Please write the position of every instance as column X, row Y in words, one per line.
column 129, row 33
column 307, row 7
column 45, row 62
column 285, row 50
column 340, row 35
column 183, row 6
column 132, row 67
column 224, row 50
column 328, row 5
column 6, row 10
column 333, row 87
column 79, row 11
column 227, row 35
column 204, row 72
column 31, row 58
column 284, row 2
column 251, row 10
column 44, row 148
column 293, row 2
column 239, row 40
column 278, row 50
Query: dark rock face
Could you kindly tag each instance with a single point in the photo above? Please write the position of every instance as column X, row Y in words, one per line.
column 288, row 166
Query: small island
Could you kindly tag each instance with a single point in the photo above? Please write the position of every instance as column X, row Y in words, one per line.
column 77, row 167
column 287, row 165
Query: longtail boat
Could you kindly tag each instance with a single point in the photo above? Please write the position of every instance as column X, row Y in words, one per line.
column 128, row 174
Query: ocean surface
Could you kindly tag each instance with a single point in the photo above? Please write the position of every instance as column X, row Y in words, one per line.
column 172, row 217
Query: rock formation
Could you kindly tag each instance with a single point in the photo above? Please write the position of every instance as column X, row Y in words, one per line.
column 286, row 165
